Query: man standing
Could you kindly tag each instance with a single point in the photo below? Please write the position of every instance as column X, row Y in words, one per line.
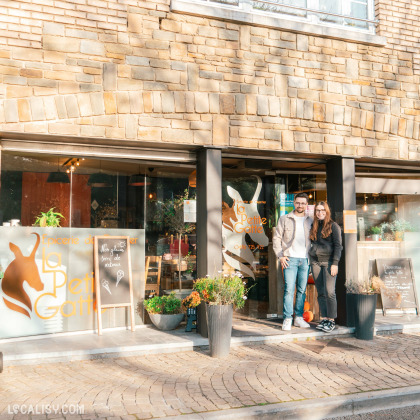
column 291, row 245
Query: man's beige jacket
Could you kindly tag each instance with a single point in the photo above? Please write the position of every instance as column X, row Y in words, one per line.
column 284, row 234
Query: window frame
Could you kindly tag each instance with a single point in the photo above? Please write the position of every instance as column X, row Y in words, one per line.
column 244, row 12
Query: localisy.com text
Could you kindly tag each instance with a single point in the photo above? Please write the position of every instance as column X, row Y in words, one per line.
column 45, row 409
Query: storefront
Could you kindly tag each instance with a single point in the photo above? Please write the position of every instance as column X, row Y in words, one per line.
column 188, row 211
column 48, row 272
column 388, row 218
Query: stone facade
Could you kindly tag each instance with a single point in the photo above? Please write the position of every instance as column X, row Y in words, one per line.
column 135, row 70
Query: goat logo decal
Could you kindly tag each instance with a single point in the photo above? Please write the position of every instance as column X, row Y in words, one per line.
column 238, row 221
column 21, row 269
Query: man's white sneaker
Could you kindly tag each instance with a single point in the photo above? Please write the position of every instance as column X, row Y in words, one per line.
column 287, row 324
column 301, row 323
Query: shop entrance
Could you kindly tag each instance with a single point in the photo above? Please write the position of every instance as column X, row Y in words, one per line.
column 255, row 193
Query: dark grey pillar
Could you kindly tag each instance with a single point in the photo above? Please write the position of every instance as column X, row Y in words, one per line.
column 341, row 192
column 209, row 211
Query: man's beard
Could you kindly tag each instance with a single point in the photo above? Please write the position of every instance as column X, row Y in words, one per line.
column 299, row 210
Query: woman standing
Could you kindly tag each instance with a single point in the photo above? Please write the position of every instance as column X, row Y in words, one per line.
column 324, row 256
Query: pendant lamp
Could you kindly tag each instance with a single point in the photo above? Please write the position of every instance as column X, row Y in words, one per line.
column 58, row 177
column 99, row 180
column 138, row 180
column 192, row 179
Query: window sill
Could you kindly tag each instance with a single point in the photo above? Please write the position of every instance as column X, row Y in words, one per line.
column 227, row 13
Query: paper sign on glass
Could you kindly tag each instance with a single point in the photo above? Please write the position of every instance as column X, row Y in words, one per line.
column 350, row 221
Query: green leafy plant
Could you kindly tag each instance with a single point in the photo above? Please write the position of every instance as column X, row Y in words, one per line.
column 401, row 225
column 223, row 290
column 375, row 230
column 398, row 226
column 50, row 218
column 165, row 305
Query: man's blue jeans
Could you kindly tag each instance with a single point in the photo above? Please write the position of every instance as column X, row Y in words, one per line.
column 295, row 275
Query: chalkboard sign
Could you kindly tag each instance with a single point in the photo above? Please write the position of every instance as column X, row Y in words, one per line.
column 399, row 291
column 113, row 274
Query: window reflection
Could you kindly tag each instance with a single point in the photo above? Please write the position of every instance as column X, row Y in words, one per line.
column 113, row 195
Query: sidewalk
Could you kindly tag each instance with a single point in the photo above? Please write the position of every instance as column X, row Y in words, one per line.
column 148, row 340
column 269, row 373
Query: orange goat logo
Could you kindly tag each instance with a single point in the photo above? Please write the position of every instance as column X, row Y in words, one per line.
column 20, row 269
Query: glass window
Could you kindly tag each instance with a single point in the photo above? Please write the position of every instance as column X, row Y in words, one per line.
column 270, row 7
column 388, row 219
column 353, row 14
column 47, row 271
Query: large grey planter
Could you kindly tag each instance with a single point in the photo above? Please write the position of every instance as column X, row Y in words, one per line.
column 166, row 322
column 219, row 324
column 202, row 320
column 364, row 315
column 350, row 309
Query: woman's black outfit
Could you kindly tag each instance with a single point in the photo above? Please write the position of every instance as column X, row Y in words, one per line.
column 324, row 253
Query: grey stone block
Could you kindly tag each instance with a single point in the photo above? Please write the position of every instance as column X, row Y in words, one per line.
column 168, row 103
column 297, row 82
column 72, row 106
column 92, row 47
column 262, row 105
column 143, row 73
column 11, row 114
column 109, row 76
column 137, row 61
column 37, row 109
column 97, row 102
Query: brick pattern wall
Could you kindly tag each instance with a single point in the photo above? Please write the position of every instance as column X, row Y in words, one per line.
column 134, row 70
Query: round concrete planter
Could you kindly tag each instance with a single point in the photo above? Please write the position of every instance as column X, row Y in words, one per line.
column 166, row 322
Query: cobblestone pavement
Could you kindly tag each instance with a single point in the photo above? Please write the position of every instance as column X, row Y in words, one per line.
column 177, row 383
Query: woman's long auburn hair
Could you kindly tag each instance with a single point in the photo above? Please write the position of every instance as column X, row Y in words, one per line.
column 327, row 228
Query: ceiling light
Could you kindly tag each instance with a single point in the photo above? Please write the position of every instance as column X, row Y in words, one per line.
column 58, row 177
column 99, row 180
column 138, row 180
column 192, row 179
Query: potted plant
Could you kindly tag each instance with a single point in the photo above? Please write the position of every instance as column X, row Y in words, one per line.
column 165, row 311
column 222, row 294
column 50, row 218
column 361, row 305
column 376, row 232
column 398, row 227
column 189, row 304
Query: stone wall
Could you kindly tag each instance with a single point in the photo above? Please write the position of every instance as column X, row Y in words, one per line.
column 134, row 70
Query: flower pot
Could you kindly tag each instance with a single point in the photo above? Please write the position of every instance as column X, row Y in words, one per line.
column 375, row 237
column 350, row 310
column 399, row 236
column 202, row 320
column 166, row 322
column 219, row 323
column 364, row 315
